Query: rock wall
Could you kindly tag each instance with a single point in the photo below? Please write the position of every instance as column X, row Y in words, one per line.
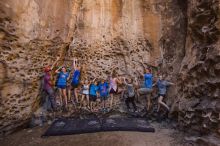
column 178, row 36
column 117, row 33
column 30, row 39
column 198, row 78
column 100, row 33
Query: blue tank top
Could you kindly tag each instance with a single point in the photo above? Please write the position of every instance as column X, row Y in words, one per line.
column 62, row 78
column 148, row 78
column 76, row 75
column 93, row 89
column 103, row 89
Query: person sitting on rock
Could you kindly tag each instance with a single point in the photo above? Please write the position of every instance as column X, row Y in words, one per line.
column 113, row 87
column 76, row 78
column 63, row 76
column 148, row 84
column 130, row 93
column 103, row 91
column 48, row 85
column 93, row 94
column 162, row 88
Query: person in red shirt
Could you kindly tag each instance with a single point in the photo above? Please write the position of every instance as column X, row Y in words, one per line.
column 48, row 86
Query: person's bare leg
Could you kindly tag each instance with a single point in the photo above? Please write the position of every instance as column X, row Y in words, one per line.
column 87, row 100
column 60, row 97
column 56, row 96
column 97, row 105
column 120, row 91
column 148, row 103
column 69, row 94
column 158, row 106
column 65, row 97
column 111, row 100
column 91, row 107
column 160, row 101
column 138, row 93
column 82, row 101
column 76, row 94
column 103, row 105
column 122, row 94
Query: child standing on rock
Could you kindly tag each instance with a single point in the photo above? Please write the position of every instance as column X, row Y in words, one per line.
column 76, row 78
column 48, row 85
column 114, row 81
column 103, row 90
column 63, row 76
column 85, row 93
column 93, row 94
column 162, row 87
column 130, row 93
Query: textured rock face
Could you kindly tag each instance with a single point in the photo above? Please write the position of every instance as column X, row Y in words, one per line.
column 198, row 83
column 99, row 33
column 197, row 92
column 30, row 38
column 110, row 33
column 178, row 36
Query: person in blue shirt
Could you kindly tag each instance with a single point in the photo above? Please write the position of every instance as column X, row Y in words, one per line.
column 76, row 78
column 148, row 86
column 93, row 93
column 162, row 89
column 63, row 76
column 103, row 91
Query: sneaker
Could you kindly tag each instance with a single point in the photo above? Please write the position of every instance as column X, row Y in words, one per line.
column 73, row 102
column 107, row 110
column 65, row 109
column 55, row 109
column 103, row 110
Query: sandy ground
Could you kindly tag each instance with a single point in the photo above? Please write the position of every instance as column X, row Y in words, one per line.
column 32, row 137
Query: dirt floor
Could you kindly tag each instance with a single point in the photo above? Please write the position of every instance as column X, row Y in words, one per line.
column 162, row 137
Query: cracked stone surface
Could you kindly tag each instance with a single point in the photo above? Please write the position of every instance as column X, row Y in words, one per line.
column 179, row 37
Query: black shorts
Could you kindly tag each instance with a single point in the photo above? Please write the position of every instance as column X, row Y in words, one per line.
column 103, row 98
column 92, row 98
column 74, row 85
column 163, row 95
column 130, row 99
column 112, row 91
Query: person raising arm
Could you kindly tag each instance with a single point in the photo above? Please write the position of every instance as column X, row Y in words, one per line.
column 48, row 85
column 76, row 78
column 62, row 83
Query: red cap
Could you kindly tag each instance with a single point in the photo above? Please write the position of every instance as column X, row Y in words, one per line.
column 47, row 69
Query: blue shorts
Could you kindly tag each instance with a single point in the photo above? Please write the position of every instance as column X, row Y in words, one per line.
column 61, row 86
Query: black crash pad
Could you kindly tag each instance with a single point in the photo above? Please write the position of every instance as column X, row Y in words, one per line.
column 126, row 124
column 67, row 126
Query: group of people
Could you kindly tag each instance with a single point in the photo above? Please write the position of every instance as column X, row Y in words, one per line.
column 100, row 94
